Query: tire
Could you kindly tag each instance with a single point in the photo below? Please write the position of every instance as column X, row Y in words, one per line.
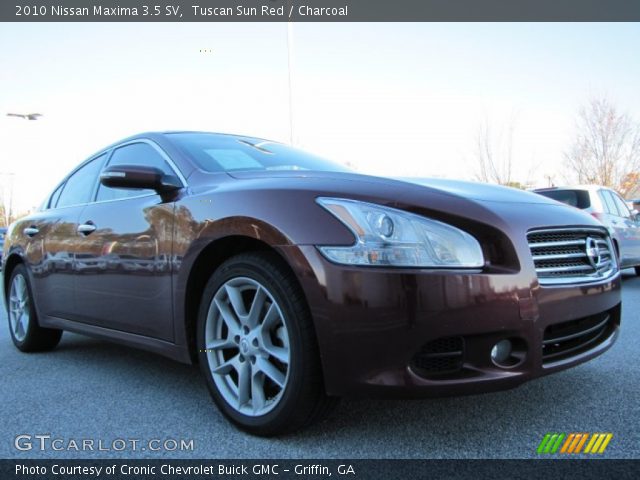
column 257, row 347
column 638, row 271
column 26, row 333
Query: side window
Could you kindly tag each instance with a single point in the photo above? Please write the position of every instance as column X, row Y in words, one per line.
column 133, row 154
column 53, row 200
column 609, row 205
column 622, row 207
column 79, row 186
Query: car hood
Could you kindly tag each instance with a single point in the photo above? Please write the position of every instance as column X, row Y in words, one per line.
column 267, row 194
column 480, row 192
column 483, row 192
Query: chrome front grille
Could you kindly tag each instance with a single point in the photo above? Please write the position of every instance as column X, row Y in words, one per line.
column 572, row 255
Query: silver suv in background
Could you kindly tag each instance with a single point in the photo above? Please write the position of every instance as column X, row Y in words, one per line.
column 608, row 207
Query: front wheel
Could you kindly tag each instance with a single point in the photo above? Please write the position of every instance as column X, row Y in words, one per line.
column 257, row 347
column 26, row 333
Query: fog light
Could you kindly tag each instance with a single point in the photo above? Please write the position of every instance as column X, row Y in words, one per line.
column 501, row 351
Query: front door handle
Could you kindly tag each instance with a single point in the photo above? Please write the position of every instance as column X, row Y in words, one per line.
column 86, row 228
column 31, row 231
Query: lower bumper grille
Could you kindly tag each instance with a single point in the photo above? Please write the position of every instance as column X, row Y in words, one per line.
column 443, row 356
column 568, row 339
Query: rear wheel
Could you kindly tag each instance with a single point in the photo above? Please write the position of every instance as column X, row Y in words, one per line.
column 257, row 347
column 26, row 333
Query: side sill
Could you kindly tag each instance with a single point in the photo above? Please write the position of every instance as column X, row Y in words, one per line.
column 178, row 353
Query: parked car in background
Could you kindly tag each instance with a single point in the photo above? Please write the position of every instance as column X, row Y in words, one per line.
column 3, row 232
column 608, row 207
column 294, row 281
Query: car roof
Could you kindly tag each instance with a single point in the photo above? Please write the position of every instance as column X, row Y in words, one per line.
column 587, row 187
column 166, row 133
column 159, row 136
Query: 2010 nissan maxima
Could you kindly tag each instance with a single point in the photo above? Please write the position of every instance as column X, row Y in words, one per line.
column 293, row 281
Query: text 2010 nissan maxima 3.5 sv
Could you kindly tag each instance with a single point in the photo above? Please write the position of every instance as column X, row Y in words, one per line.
column 293, row 281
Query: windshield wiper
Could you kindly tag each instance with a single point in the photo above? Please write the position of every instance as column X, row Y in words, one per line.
column 258, row 146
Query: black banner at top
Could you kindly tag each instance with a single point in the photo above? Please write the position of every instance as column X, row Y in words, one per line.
column 319, row 10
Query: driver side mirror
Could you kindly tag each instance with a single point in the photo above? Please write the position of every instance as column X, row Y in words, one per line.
column 635, row 214
column 139, row 176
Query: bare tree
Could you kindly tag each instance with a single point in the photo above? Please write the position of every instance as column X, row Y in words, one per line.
column 606, row 150
column 494, row 153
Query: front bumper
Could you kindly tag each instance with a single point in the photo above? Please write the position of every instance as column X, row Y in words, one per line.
column 375, row 325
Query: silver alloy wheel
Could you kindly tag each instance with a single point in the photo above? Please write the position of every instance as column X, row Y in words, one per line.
column 19, row 308
column 247, row 346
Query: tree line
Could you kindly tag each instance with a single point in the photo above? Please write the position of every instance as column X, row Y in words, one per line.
column 605, row 150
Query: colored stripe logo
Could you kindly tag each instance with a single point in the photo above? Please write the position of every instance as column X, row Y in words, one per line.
column 594, row 443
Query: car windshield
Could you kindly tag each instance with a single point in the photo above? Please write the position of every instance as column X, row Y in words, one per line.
column 575, row 198
column 226, row 153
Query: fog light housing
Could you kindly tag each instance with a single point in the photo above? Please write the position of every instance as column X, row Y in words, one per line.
column 501, row 351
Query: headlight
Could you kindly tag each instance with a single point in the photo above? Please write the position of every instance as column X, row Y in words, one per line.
column 386, row 236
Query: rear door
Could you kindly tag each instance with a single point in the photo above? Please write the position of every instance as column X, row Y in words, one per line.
column 54, row 233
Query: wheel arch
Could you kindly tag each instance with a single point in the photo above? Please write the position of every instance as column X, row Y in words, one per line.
column 209, row 258
column 12, row 262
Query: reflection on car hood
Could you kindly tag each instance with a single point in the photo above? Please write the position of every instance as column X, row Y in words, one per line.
column 482, row 192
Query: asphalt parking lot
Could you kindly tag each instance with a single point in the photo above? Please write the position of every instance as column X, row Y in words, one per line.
column 90, row 389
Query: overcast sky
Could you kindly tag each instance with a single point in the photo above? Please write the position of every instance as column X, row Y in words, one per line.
column 392, row 99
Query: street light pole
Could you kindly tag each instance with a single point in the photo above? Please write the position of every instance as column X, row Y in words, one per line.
column 290, row 74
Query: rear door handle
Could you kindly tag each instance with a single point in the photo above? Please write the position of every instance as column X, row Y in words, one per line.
column 86, row 228
column 31, row 231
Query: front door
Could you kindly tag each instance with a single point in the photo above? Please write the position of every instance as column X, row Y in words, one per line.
column 123, row 271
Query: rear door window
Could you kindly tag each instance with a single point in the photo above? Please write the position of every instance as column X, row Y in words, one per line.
column 623, row 211
column 575, row 198
column 609, row 204
column 79, row 186
column 55, row 196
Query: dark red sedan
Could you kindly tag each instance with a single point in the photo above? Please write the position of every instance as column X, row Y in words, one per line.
column 293, row 281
